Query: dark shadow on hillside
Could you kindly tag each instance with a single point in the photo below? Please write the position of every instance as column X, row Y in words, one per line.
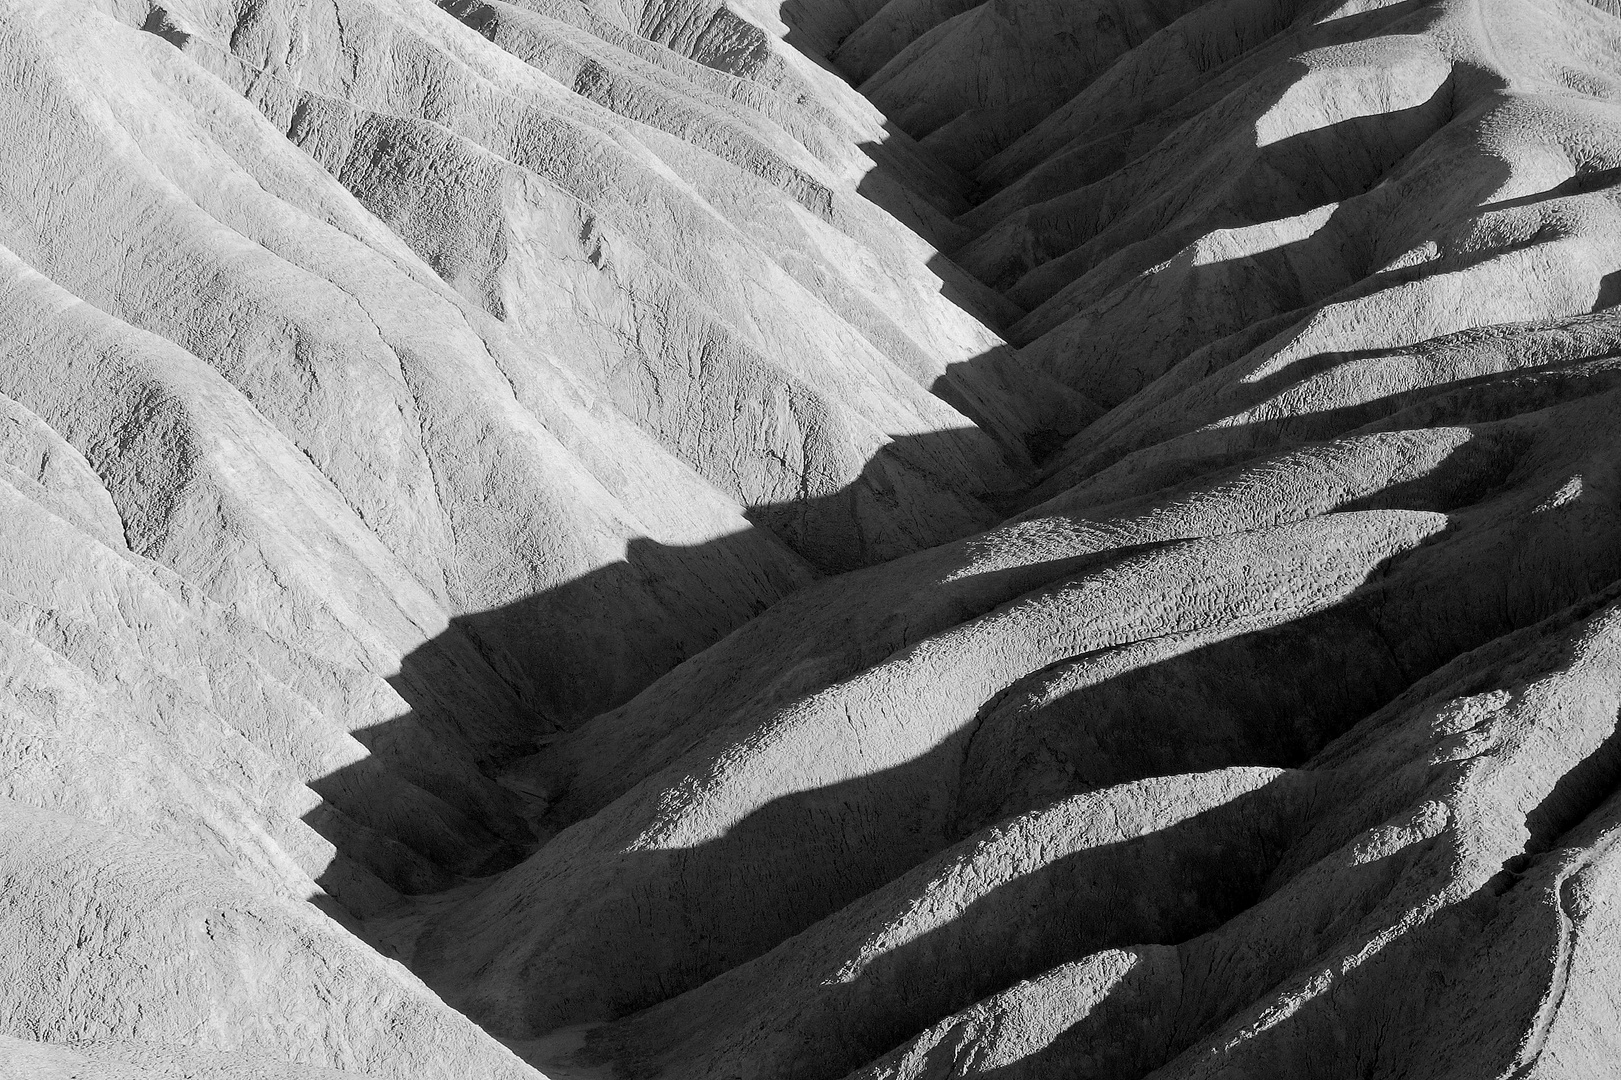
column 1287, row 302
column 851, row 838
column 830, row 845
column 1198, row 710
column 801, row 857
column 1223, row 298
column 1333, row 164
column 512, row 682
column 1034, row 249
column 576, row 650
column 1476, row 399
column 423, row 812
column 1161, row 887
column 1079, row 162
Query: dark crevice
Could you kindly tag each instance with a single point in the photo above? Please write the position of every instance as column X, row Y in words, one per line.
column 161, row 23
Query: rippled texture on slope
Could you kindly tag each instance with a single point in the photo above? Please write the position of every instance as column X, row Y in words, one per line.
column 376, row 407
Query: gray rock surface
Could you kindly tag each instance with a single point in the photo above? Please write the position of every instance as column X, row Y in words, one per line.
column 849, row 539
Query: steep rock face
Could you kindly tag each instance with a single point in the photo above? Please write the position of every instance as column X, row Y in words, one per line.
column 856, row 539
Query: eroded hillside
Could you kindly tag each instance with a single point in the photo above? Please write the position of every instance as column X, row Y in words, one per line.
column 910, row 539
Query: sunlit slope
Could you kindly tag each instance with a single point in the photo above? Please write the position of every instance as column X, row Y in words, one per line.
column 385, row 390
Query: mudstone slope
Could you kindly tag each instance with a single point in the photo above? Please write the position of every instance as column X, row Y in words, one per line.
column 915, row 539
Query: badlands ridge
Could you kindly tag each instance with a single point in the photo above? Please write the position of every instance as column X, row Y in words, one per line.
column 866, row 540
